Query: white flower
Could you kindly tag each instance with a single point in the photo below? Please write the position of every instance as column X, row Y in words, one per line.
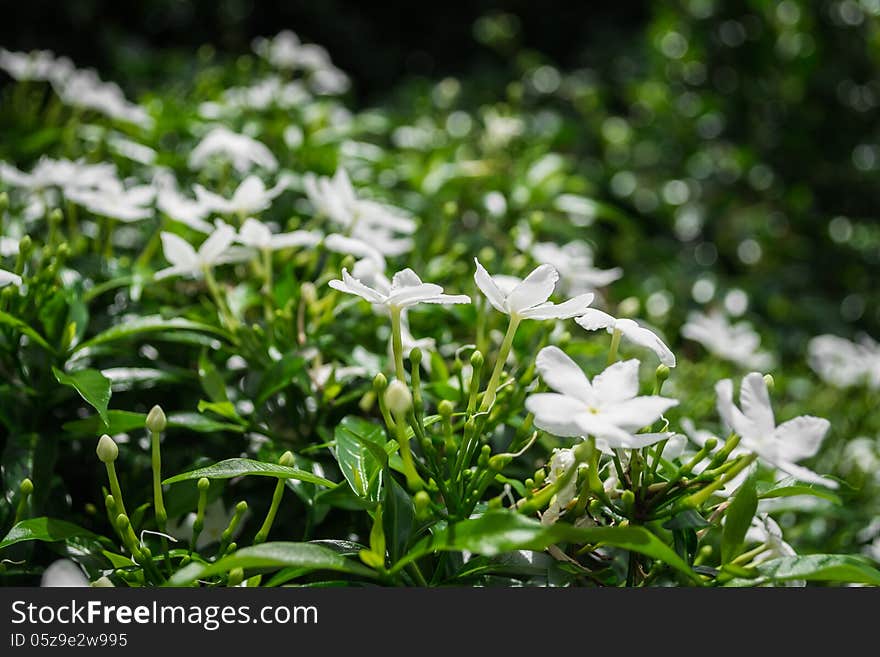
column 8, row 278
column 765, row 529
column 370, row 260
column 178, row 207
column 186, row 261
column 527, row 299
column 406, row 290
column 781, row 446
column 843, row 363
column 64, row 174
column 250, row 197
column 63, row 573
column 594, row 319
column 369, row 221
column 737, row 343
column 116, row 201
column 243, row 151
column 40, row 65
column 609, row 408
column 257, row 235
column 574, row 262
column 285, row 51
column 561, row 462
column 134, row 151
column 85, row 89
column 9, row 246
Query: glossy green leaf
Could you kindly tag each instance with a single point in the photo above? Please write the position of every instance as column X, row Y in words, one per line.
column 211, row 380
column 133, row 327
column 290, row 369
column 242, row 467
column 822, row 568
column 361, row 468
column 497, row 532
column 789, row 487
column 274, row 555
column 44, row 529
column 15, row 323
column 399, row 518
column 118, row 421
column 91, row 385
column 737, row 519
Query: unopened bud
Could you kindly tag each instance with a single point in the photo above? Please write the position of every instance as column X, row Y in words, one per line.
column 662, row 373
column 309, row 293
column 156, row 420
column 768, row 379
column 236, row 577
column 286, row 459
column 398, row 398
column 380, row 383
column 415, row 356
column 204, row 484
column 446, row 408
column 55, row 216
column 477, row 360
column 421, row 500
column 107, row 449
column 26, row 487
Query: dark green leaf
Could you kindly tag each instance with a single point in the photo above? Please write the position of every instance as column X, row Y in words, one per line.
column 737, row 519
column 241, row 467
column 789, row 487
column 119, row 422
column 212, row 383
column 133, row 327
column 44, row 529
column 291, row 368
column 274, row 555
column 822, row 568
column 360, row 466
column 399, row 518
column 21, row 327
column 91, row 385
column 687, row 519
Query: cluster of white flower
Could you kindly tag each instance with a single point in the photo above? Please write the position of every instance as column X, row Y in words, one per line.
column 739, row 343
column 844, row 363
column 81, row 88
column 286, row 52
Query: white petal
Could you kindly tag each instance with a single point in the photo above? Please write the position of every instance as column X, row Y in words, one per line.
column 254, row 233
column 489, row 288
column 564, row 310
column 178, row 251
column 592, row 424
column 296, row 238
column 593, row 320
column 562, row 374
column 618, row 382
column 351, row 246
column 409, row 296
column 645, row 338
column 405, row 278
column 536, row 288
column 805, row 474
column 7, row 278
column 448, row 299
column 556, row 414
column 801, row 437
column 755, row 402
column 63, row 573
column 351, row 285
column 220, row 240
column 636, row 413
column 728, row 411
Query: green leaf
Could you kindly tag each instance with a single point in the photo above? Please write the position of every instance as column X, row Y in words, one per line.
column 212, row 383
column 118, row 422
column 48, row 530
column 822, row 568
column 399, row 518
column 497, row 532
column 687, row 519
column 200, row 424
column 223, row 409
column 242, row 467
column 737, row 519
column 789, row 487
column 360, row 465
column 273, row 555
column 280, row 375
column 91, row 385
column 21, row 327
column 133, row 327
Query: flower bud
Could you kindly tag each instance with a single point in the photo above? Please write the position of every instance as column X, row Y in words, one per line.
column 4, row 201
column 421, row 500
column 309, row 293
column 286, row 459
column 204, row 484
column 156, row 420
column 662, row 373
column 446, row 408
column 710, row 444
column 107, row 449
column 236, row 577
column 415, row 356
column 380, row 383
column 771, row 383
column 498, row 462
column 398, row 398
column 26, row 487
column 55, row 216
column 102, row 582
column 477, row 360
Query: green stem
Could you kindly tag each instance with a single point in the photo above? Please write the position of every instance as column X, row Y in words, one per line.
column 214, row 289
column 263, row 534
column 158, row 500
column 267, row 284
column 397, row 344
column 115, row 490
column 503, row 353
column 413, row 480
column 615, row 343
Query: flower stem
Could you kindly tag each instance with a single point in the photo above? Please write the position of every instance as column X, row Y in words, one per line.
column 503, row 353
column 267, row 284
column 263, row 533
column 214, row 289
column 698, row 498
column 158, row 500
column 397, row 344
column 413, row 480
column 615, row 343
column 115, row 490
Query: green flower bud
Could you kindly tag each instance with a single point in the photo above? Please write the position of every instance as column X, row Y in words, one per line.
column 771, row 383
column 286, row 459
column 662, row 373
column 450, row 208
column 710, row 444
column 26, row 487
column 55, row 216
column 446, row 408
column 309, row 293
column 415, row 356
column 398, row 398
column 477, row 360
column 380, row 382
column 498, row 462
column 421, row 501
column 156, row 420
column 107, row 449
column 4, row 201
column 236, row 577
column 204, row 484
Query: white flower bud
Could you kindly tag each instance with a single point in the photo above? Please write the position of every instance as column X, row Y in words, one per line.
column 398, row 398
column 156, row 421
column 107, row 450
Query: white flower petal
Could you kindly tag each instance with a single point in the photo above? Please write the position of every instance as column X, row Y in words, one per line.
column 220, row 240
column 618, row 382
column 556, row 414
column 8, row 278
column 562, row 374
column 536, row 288
column 565, row 310
column 801, row 437
column 636, row 413
column 593, row 320
column 645, row 338
column 489, row 288
column 178, row 251
column 755, row 402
